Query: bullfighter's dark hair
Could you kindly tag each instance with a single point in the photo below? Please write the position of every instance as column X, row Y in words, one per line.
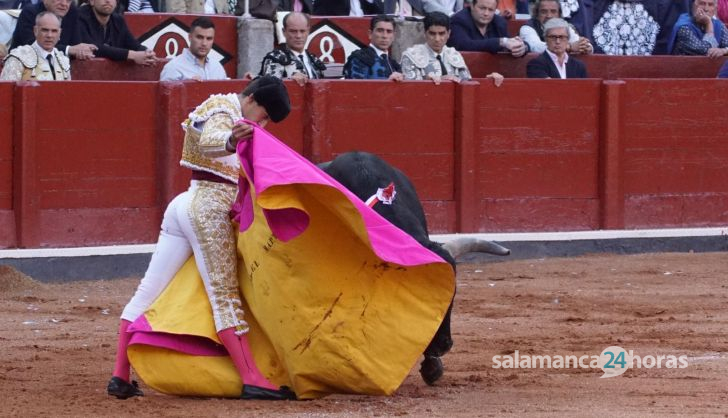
column 437, row 19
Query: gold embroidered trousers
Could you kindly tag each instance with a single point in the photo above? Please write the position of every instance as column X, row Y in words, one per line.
column 197, row 222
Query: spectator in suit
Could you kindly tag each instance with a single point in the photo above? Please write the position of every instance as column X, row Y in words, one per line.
column 555, row 62
column 479, row 28
column 70, row 41
column 374, row 62
column 291, row 60
column 108, row 31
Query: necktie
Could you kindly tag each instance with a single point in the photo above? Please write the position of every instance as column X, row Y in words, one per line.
column 442, row 65
column 385, row 59
column 305, row 67
column 297, row 6
column 49, row 57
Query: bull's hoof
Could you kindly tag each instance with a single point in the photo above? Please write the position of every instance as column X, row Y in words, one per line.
column 439, row 346
column 431, row 369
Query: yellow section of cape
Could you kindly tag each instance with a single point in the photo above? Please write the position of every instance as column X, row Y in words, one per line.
column 326, row 314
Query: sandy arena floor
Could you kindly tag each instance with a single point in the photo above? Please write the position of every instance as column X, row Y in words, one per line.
column 57, row 345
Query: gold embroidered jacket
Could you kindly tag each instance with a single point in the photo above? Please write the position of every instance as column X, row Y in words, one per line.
column 207, row 130
column 418, row 61
column 28, row 62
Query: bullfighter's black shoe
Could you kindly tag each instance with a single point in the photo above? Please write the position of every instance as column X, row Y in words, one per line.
column 251, row 392
column 431, row 369
column 123, row 390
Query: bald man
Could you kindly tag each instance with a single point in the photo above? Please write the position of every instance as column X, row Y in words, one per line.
column 40, row 60
column 291, row 60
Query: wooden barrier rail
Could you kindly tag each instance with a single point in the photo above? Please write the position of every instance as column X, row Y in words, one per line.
column 7, row 219
column 92, row 163
column 480, row 64
column 607, row 67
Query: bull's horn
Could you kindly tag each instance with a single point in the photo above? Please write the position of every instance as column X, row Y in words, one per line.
column 462, row 246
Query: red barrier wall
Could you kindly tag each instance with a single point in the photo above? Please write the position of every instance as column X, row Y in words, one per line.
column 99, row 69
column 522, row 157
column 537, row 160
column 603, row 66
column 7, row 216
column 88, row 169
column 675, row 153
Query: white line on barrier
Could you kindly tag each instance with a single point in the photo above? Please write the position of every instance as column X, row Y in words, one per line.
column 500, row 237
column 590, row 235
column 78, row 251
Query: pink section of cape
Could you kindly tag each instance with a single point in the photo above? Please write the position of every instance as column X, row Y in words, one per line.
column 142, row 333
column 269, row 162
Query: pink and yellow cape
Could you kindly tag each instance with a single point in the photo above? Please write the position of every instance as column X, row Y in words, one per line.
column 338, row 299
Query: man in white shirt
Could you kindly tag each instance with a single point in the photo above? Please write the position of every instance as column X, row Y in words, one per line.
column 532, row 31
column 194, row 63
column 41, row 60
column 555, row 62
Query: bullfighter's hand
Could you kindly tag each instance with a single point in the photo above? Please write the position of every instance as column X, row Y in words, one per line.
column 240, row 132
column 300, row 78
column 396, row 76
column 435, row 78
column 497, row 78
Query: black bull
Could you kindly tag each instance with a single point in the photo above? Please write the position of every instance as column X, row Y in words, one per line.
column 363, row 174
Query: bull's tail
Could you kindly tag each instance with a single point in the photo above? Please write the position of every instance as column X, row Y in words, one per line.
column 462, row 246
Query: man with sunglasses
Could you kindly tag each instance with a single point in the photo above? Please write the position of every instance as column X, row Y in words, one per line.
column 555, row 62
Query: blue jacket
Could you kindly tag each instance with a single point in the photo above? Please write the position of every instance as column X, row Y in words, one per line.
column 723, row 73
column 465, row 36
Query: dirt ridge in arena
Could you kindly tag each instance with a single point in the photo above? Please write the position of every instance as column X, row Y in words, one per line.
column 12, row 280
